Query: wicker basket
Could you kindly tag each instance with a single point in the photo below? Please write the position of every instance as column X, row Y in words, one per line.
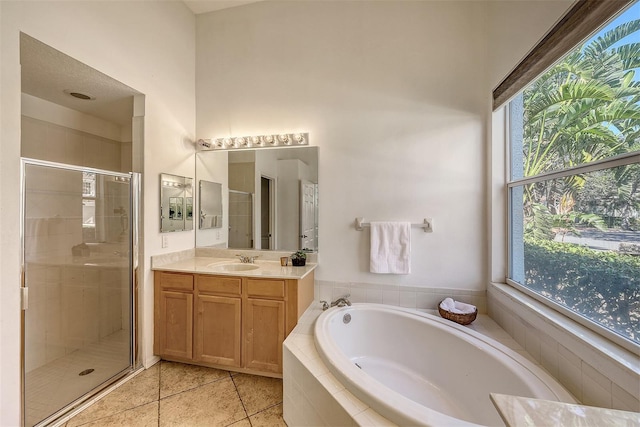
column 463, row 319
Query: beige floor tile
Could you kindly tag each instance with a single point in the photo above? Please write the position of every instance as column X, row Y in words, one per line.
column 213, row 404
column 258, row 393
column 270, row 417
column 142, row 416
column 179, row 377
column 242, row 423
column 140, row 390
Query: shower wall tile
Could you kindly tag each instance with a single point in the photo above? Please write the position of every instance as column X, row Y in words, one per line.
column 90, row 321
column 73, row 149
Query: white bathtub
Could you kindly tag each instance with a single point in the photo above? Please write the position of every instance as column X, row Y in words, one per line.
column 417, row 369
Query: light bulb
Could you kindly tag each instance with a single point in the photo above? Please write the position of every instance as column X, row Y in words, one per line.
column 284, row 138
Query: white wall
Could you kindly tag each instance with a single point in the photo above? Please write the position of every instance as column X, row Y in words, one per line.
column 393, row 93
column 514, row 28
column 213, row 167
column 148, row 46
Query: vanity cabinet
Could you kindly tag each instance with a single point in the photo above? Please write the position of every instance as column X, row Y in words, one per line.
column 217, row 337
column 227, row 322
column 264, row 324
column 174, row 305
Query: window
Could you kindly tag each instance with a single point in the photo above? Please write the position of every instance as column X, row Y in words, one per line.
column 574, row 187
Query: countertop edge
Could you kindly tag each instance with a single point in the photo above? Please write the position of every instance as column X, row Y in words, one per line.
column 197, row 265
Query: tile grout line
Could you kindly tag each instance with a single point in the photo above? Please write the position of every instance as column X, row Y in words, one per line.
column 228, row 374
column 240, row 398
column 159, row 382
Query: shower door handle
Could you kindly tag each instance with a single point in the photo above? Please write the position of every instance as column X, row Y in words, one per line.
column 24, row 298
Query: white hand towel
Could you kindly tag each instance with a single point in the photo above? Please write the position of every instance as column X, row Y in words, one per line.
column 390, row 247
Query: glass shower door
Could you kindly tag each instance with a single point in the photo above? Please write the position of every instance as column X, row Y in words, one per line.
column 77, row 262
column 240, row 220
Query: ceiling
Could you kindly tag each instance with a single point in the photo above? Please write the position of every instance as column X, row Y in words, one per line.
column 204, row 6
column 47, row 73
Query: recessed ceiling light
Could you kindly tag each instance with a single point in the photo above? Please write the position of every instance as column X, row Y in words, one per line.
column 79, row 95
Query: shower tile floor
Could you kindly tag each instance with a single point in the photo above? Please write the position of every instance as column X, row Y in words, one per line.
column 56, row 384
column 176, row 394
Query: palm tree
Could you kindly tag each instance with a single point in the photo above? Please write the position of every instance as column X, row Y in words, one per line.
column 583, row 109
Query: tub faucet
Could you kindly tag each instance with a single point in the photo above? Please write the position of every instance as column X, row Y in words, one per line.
column 342, row 301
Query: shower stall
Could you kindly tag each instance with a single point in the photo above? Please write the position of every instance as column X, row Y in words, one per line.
column 78, row 267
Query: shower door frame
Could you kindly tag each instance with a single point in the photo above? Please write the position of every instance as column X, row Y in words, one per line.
column 134, row 218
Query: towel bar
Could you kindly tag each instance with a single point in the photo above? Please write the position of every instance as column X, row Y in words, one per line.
column 427, row 224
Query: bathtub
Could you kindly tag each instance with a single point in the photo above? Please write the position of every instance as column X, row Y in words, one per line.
column 418, row 369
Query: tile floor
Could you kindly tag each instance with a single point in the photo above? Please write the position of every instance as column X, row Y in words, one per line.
column 176, row 394
column 56, row 384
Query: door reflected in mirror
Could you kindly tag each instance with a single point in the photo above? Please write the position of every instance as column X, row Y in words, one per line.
column 176, row 209
column 269, row 198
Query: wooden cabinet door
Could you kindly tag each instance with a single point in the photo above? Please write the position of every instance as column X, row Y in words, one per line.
column 218, row 333
column 175, row 325
column 263, row 322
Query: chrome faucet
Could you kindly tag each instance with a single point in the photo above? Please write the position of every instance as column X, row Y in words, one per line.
column 247, row 259
column 342, row 301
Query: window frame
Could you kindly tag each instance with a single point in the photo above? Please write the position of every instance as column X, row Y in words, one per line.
column 608, row 163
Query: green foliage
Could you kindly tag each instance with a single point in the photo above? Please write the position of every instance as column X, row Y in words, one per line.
column 602, row 286
column 299, row 255
column 585, row 108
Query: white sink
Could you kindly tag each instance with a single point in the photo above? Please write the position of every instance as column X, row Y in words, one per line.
column 233, row 267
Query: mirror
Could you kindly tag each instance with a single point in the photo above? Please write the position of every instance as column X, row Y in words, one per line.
column 176, row 207
column 210, row 197
column 269, row 198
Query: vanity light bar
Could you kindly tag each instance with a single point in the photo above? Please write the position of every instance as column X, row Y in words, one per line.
column 175, row 184
column 240, row 142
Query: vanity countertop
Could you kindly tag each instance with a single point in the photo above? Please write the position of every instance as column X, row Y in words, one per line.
column 219, row 266
column 523, row 411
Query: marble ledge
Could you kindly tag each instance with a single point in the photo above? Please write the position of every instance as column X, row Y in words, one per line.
column 523, row 411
